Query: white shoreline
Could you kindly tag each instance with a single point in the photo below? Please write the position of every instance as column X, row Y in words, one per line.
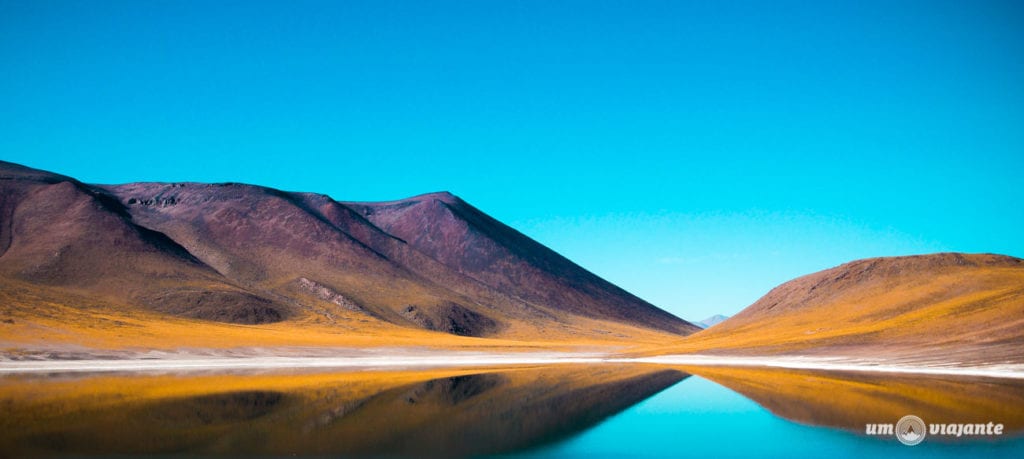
column 452, row 360
column 483, row 359
column 1012, row 371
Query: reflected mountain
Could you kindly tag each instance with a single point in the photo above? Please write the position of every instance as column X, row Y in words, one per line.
column 849, row 400
column 416, row 413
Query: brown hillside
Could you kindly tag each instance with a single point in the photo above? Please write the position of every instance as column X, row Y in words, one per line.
column 942, row 307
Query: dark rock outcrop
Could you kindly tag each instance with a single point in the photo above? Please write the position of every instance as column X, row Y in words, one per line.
column 451, row 318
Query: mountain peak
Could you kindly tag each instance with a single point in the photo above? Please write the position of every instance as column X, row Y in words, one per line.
column 472, row 243
column 442, row 196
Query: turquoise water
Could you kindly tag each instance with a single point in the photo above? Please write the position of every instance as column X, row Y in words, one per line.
column 699, row 418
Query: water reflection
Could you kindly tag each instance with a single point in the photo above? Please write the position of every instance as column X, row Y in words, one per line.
column 849, row 401
column 419, row 413
column 545, row 411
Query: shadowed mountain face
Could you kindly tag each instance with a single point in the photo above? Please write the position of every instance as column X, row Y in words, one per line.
column 246, row 254
column 448, row 413
column 944, row 307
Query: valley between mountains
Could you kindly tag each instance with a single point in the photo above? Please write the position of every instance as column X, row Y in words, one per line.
column 123, row 271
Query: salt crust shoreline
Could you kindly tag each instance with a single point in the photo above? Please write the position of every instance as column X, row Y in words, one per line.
column 396, row 359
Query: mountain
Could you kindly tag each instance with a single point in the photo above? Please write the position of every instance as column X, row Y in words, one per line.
column 939, row 307
column 211, row 255
column 713, row 320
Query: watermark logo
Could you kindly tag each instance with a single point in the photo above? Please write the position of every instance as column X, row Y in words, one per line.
column 911, row 430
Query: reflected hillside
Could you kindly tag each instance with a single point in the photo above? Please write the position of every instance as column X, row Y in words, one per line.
column 848, row 401
column 416, row 413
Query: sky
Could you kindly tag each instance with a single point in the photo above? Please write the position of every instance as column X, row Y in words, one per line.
column 695, row 153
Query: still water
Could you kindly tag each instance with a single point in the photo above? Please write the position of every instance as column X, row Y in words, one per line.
column 553, row 411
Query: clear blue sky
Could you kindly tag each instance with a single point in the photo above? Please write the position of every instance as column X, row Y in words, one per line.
column 695, row 153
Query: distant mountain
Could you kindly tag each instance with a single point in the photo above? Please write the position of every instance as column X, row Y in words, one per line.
column 941, row 307
column 243, row 254
column 713, row 320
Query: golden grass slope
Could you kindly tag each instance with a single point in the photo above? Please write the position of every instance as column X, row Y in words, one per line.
column 38, row 322
column 945, row 307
